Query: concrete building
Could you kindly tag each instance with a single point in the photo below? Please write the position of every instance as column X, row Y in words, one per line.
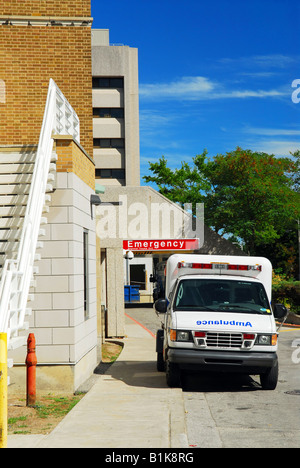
column 115, row 112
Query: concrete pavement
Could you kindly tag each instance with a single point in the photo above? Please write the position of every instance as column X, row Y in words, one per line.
column 130, row 406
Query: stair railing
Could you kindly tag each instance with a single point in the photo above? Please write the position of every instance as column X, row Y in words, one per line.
column 59, row 118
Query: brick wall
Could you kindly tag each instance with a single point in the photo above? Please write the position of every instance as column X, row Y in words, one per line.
column 29, row 57
column 46, row 7
column 71, row 158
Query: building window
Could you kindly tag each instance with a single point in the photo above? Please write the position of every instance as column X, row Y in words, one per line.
column 114, row 113
column 117, row 143
column 138, row 276
column 86, row 272
column 102, row 83
column 110, row 174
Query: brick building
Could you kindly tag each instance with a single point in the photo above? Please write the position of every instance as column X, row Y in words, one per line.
column 40, row 40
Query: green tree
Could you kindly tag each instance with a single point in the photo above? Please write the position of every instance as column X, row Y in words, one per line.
column 248, row 195
column 295, row 176
column 184, row 185
column 252, row 196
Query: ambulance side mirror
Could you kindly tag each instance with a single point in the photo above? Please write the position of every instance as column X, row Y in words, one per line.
column 280, row 311
column 161, row 306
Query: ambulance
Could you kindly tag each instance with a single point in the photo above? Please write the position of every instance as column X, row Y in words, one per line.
column 218, row 317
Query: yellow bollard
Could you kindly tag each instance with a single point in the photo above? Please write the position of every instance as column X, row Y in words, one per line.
column 3, row 390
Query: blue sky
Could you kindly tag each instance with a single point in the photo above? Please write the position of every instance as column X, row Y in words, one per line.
column 212, row 75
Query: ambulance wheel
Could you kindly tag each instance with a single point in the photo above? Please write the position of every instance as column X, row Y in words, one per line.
column 270, row 378
column 173, row 374
column 160, row 363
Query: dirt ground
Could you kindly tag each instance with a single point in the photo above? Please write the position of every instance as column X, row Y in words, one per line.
column 49, row 409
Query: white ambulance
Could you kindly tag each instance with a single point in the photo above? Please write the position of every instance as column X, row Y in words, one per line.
column 218, row 316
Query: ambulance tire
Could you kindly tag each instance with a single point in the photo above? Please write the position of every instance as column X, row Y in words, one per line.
column 270, row 378
column 173, row 374
column 160, row 363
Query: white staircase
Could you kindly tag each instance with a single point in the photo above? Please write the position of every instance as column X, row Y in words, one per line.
column 16, row 171
column 26, row 181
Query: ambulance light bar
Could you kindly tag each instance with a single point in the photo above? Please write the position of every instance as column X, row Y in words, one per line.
column 219, row 266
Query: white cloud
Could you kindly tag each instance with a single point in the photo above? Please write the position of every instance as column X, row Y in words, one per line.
column 263, row 140
column 188, row 87
column 248, row 93
column 201, row 88
column 261, row 61
column 153, row 119
column 276, row 147
column 272, row 131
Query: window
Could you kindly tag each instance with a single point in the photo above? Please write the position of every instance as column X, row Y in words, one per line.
column 110, row 173
column 117, row 143
column 222, row 295
column 102, row 83
column 86, row 272
column 138, row 276
column 114, row 113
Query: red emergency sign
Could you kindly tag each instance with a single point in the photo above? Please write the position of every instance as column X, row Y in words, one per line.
column 161, row 244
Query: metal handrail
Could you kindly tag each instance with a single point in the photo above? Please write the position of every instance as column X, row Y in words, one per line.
column 59, row 118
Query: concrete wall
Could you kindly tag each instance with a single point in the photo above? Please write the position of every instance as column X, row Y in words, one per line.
column 117, row 61
column 66, row 336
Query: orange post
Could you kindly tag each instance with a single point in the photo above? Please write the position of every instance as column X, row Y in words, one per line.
column 31, row 362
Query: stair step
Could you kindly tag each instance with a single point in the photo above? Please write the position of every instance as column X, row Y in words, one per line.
column 11, row 223
column 10, row 234
column 25, row 327
column 13, row 200
column 8, row 179
column 8, row 157
column 16, row 168
column 22, row 157
column 8, row 246
column 49, row 188
column 17, row 342
column 6, row 211
column 18, row 211
column 15, row 189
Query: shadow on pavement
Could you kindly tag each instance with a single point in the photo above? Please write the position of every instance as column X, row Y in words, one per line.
column 211, row 382
column 137, row 374
column 144, row 374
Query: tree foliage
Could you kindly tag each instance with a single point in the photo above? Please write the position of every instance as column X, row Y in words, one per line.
column 249, row 196
column 184, row 185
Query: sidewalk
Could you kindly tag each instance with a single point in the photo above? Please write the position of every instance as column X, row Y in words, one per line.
column 128, row 407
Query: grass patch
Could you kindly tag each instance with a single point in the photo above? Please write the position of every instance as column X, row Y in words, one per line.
column 57, row 407
column 43, row 417
column 111, row 350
